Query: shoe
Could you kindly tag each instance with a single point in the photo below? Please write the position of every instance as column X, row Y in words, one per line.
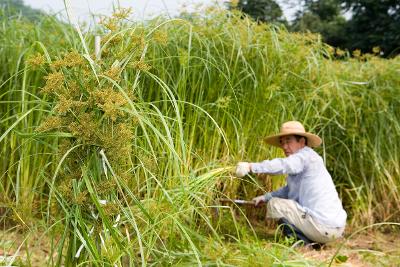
column 291, row 231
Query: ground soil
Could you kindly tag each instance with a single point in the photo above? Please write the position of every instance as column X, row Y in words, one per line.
column 364, row 249
column 371, row 248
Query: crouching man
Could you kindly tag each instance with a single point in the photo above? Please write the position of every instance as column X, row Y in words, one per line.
column 308, row 207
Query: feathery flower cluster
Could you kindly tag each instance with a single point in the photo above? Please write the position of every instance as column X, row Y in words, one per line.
column 71, row 59
column 111, row 209
column 50, row 123
column 117, row 143
column 109, row 23
column 112, row 23
column 357, row 53
column 105, row 187
column 64, row 105
column 111, row 39
column 234, row 3
column 122, row 13
column 113, row 73
column 91, row 110
column 54, row 82
column 160, row 37
column 81, row 198
column 110, row 101
column 85, row 128
column 36, row 60
column 73, row 89
column 141, row 65
column 223, row 102
column 65, row 189
column 138, row 40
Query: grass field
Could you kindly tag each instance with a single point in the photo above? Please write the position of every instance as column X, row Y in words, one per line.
column 116, row 157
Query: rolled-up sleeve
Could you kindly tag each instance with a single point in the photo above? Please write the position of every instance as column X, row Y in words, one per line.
column 293, row 164
column 282, row 192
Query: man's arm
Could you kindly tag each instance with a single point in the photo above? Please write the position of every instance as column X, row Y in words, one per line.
column 282, row 192
column 291, row 165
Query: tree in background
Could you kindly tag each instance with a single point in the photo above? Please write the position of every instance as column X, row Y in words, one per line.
column 373, row 23
column 324, row 17
column 18, row 8
column 369, row 23
column 260, row 10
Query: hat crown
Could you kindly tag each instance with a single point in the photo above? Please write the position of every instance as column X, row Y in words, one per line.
column 292, row 126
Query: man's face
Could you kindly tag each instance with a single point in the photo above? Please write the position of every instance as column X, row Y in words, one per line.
column 290, row 145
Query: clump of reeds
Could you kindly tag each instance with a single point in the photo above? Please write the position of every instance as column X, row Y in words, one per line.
column 126, row 151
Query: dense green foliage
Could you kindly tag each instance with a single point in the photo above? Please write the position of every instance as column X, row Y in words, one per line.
column 11, row 8
column 368, row 24
column 261, row 10
column 324, row 17
column 373, row 23
column 120, row 158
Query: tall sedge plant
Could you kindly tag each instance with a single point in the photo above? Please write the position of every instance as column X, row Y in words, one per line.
column 122, row 156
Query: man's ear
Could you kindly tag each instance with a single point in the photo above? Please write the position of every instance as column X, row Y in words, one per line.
column 303, row 141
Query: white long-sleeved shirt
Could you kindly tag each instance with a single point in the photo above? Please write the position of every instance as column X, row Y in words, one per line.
column 308, row 183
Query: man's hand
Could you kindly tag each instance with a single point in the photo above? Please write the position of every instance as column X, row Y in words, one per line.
column 259, row 200
column 242, row 169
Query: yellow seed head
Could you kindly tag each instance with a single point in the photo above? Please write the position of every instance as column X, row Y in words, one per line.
column 73, row 89
column 71, row 59
column 110, row 101
column 54, row 82
column 124, row 132
column 65, row 189
column 109, row 23
column 339, row 52
column 118, row 143
column 160, row 37
column 63, row 105
column 141, row 65
column 234, row 3
column 223, row 102
column 122, row 13
column 138, row 40
column 113, row 73
column 50, row 123
column 36, row 60
column 111, row 209
column 85, row 127
column 66, row 104
column 81, row 198
column 57, row 63
column 112, row 40
column 105, row 187
column 376, row 49
column 357, row 53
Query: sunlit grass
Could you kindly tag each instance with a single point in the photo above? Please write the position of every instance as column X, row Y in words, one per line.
column 120, row 158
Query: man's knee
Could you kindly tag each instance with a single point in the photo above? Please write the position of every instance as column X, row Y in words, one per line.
column 272, row 206
column 277, row 208
column 275, row 202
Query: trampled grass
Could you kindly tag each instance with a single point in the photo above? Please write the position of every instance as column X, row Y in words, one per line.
column 118, row 159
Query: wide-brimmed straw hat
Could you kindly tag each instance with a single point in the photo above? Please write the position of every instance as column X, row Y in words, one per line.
column 293, row 128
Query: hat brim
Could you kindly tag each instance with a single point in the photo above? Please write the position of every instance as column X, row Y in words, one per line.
column 312, row 139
